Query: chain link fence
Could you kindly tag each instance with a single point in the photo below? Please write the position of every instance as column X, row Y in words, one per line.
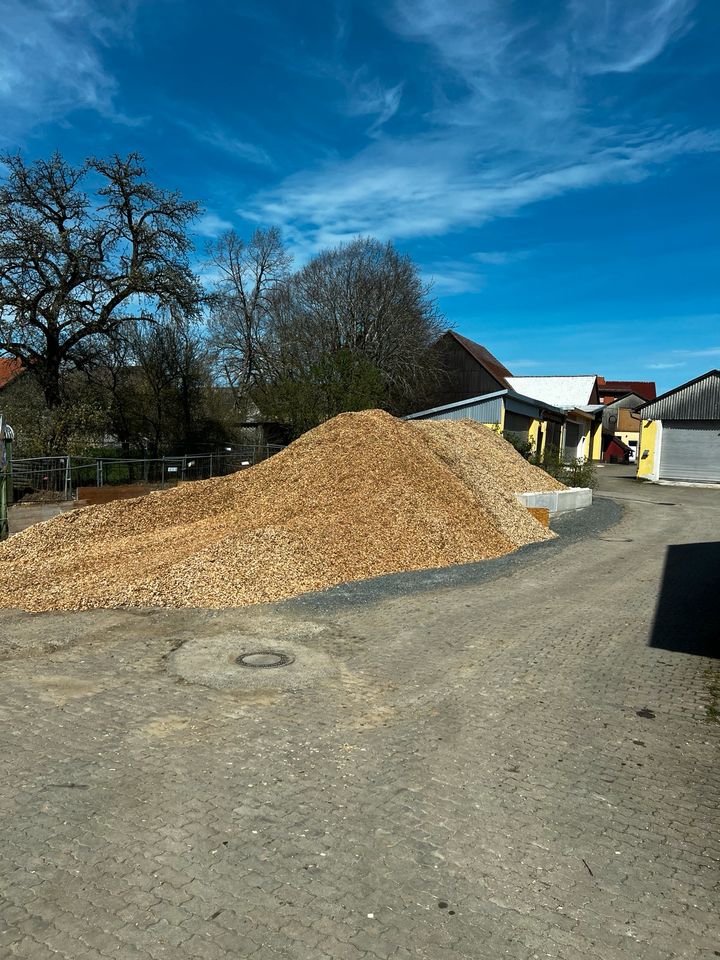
column 58, row 478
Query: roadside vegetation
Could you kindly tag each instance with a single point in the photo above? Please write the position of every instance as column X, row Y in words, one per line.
column 573, row 472
column 120, row 343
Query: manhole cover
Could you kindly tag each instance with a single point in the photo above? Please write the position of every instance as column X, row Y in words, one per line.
column 264, row 658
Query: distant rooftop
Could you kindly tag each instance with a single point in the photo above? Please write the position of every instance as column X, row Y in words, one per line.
column 10, row 368
column 574, row 391
column 614, row 388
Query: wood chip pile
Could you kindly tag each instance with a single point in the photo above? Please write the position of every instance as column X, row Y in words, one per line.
column 362, row 495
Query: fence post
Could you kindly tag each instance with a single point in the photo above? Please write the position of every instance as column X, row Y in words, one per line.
column 68, row 479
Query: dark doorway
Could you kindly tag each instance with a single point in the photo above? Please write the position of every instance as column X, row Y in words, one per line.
column 687, row 617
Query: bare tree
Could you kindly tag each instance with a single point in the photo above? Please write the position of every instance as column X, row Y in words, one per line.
column 74, row 267
column 365, row 298
column 251, row 274
column 171, row 382
column 154, row 378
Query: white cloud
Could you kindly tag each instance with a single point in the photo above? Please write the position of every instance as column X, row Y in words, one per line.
column 500, row 257
column 681, row 357
column 618, row 37
column 694, row 354
column 427, row 187
column 373, row 99
column 211, row 225
column 451, row 277
column 51, row 61
column 221, row 139
column 509, row 125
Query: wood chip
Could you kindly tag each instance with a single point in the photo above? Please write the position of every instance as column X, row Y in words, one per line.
column 362, row 495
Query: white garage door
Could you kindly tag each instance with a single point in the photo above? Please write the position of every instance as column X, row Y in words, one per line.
column 690, row 450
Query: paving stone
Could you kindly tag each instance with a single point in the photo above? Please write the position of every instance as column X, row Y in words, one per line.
column 471, row 770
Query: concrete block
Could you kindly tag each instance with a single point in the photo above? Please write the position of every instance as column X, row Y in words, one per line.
column 548, row 500
column 558, row 501
column 574, row 499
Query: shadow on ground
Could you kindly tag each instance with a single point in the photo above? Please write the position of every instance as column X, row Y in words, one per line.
column 687, row 617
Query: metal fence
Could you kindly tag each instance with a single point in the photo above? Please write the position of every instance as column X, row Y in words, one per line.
column 59, row 477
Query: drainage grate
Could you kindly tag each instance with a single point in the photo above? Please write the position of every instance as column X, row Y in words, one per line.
column 264, row 658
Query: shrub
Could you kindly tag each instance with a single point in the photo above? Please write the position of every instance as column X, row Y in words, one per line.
column 574, row 472
column 523, row 446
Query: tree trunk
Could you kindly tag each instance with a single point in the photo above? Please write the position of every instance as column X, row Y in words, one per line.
column 51, row 388
column 49, row 373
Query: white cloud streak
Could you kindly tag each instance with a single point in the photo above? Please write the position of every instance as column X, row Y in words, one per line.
column 373, row 99
column 51, row 63
column 509, row 126
column 220, row 139
column 681, row 357
column 620, row 37
column 211, row 225
column 452, row 277
column 500, row 257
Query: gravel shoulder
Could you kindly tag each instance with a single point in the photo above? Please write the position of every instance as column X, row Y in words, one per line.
column 570, row 527
column 24, row 634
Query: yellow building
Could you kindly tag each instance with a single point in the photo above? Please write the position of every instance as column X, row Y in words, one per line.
column 680, row 434
column 509, row 412
column 646, row 465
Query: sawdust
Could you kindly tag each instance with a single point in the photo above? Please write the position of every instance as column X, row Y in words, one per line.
column 362, row 495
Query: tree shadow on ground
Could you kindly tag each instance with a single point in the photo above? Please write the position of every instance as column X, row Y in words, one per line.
column 687, row 616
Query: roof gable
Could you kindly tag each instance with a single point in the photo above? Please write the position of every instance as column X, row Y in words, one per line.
column 483, row 356
column 631, row 400
column 698, row 399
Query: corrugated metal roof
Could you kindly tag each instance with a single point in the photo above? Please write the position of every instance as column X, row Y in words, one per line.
column 464, row 405
column 558, row 391
column 698, row 399
column 457, row 405
column 485, row 410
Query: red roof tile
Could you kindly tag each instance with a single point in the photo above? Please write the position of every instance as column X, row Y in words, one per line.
column 643, row 388
column 9, row 369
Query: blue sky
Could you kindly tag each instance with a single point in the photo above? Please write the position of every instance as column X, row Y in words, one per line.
column 553, row 167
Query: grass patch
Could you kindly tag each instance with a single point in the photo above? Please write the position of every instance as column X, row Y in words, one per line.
column 712, row 710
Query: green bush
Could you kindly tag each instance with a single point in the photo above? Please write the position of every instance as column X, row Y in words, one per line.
column 523, row 446
column 572, row 472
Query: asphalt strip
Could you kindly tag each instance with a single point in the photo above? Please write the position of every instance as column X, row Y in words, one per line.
column 571, row 527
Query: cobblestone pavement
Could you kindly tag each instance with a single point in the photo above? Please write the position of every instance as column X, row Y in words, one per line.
column 500, row 769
